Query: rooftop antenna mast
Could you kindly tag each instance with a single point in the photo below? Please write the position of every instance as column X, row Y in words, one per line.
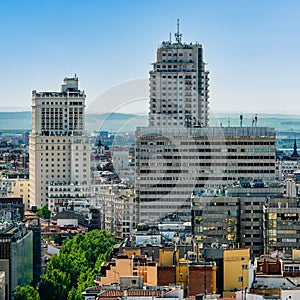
column 178, row 35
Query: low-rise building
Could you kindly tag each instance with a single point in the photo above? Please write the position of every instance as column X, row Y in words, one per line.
column 11, row 209
column 61, row 195
column 169, row 269
column 237, row 266
column 118, row 208
column 142, row 294
column 21, row 188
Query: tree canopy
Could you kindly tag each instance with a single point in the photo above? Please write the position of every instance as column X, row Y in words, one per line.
column 74, row 268
column 27, row 292
column 44, row 212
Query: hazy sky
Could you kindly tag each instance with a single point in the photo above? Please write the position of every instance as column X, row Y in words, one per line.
column 251, row 48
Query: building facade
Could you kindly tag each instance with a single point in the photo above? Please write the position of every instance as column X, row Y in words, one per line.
column 174, row 163
column 281, row 224
column 237, row 265
column 179, row 85
column 215, row 221
column 233, row 220
column 21, row 188
column 62, row 196
column 16, row 255
column 59, row 148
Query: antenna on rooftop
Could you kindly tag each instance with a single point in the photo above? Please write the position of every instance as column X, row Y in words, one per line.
column 254, row 120
column 170, row 38
column 178, row 35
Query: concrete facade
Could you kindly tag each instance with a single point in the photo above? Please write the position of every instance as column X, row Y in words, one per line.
column 281, row 224
column 58, row 147
column 236, row 271
column 174, row 163
column 179, row 85
column 21, row 188
column 233, row 220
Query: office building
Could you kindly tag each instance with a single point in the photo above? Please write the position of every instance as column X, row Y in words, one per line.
column 59, row 148
column 281, row 224
column 233, row 219
column 172, row 163
column 216, row 221
column 179, row 85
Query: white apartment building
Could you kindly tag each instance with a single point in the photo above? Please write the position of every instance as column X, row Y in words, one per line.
column 59, row 149
column 120, row 158
column 286, row 167
column 6, row 185
column 179, row 85
column 174, row 163
column 118, row 208
column 14, row 186
column 123, row 165
column 62, row 196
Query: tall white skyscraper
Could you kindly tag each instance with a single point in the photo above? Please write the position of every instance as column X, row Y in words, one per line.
column 179, row 85
column 59, row 149
column 179, row 155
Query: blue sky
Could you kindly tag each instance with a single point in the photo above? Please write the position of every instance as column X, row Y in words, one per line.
column 251, row 48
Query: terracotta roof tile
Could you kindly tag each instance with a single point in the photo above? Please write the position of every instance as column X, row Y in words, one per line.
column 130, row 293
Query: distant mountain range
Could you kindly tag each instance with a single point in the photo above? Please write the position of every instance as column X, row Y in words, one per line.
column 21, row 121
column 117, row 122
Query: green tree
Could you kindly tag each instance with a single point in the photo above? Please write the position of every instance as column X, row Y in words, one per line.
column 92, row 244
column 26, row 292
column 54, row 285
column 75, row 294
column 72, row 264
column 44, row 212
column 73, row 270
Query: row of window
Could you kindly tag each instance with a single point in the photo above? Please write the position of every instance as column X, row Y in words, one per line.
column 186, row 77
column 207, row 143
column 175, row 82
column 160, row 150
column 207, row 157
column 174, row 53
column 165, row 192
column 174, row 88
column 62, row 103
column 58, row 176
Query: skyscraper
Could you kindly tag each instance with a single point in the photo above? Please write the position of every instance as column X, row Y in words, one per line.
column 59, row 148
column 178, row 155
column 179, row 85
